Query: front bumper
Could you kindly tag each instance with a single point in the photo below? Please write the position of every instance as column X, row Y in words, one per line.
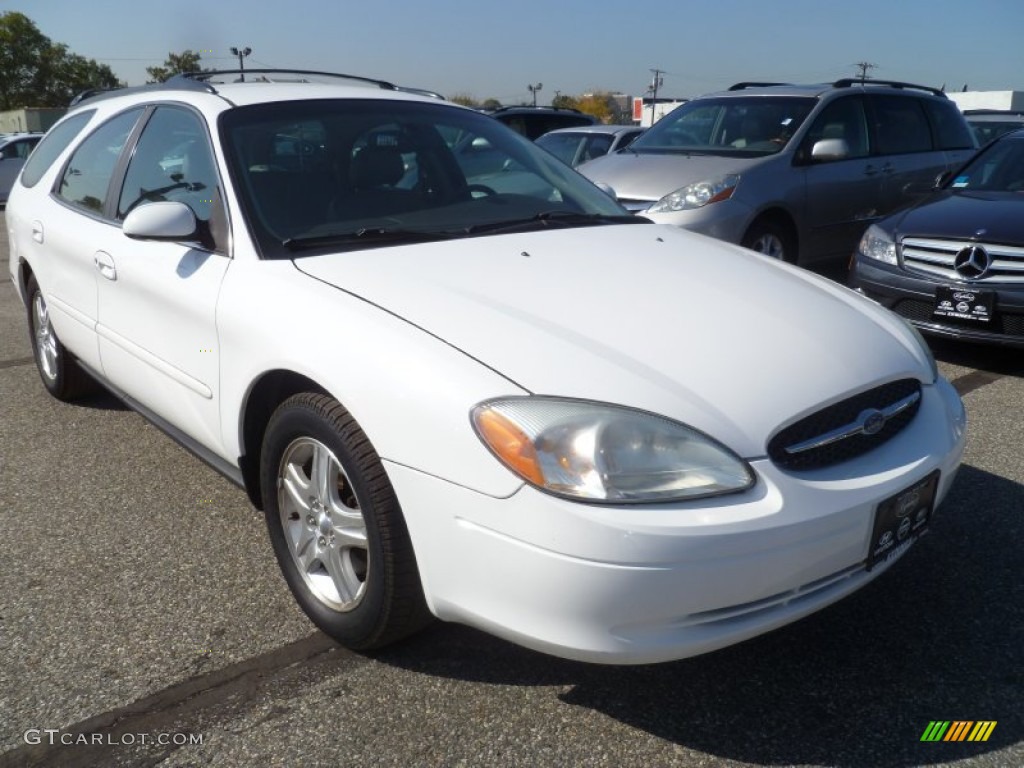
column 650, row 583
column 912, row 296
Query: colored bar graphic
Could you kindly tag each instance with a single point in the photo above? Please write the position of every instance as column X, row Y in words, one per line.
column 959, row 730
column 935, row 731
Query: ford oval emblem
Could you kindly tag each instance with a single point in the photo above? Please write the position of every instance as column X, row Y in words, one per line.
column 872, row 421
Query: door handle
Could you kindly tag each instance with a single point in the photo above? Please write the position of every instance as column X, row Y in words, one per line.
column 870, row 170
column 105, row 264
column 37, row 231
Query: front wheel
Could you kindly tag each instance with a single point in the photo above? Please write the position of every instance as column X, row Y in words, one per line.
column 336, row 525
column 58, row 369
column 771, row 239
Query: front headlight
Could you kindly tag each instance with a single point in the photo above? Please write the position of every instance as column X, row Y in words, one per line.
column 606, row 453
column 697, row 195
column 878, row 244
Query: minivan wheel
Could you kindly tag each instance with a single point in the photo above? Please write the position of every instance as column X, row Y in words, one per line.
column 58, row 369
column 771, row 239
column 336, row 526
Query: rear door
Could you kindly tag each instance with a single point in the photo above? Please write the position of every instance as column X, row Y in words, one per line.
column 908, row 160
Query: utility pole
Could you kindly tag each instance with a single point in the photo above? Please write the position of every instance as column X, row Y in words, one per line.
column 656, row 82
column 533, row 90
column 864, row 66
column 241, row 53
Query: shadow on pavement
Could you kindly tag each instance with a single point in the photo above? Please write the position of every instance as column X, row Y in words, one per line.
column 936, row 638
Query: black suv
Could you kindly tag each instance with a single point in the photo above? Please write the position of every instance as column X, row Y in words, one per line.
column 534, row 122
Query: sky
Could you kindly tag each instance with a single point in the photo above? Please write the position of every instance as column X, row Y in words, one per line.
column 488, row 49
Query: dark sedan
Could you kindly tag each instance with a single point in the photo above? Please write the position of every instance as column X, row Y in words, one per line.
column 953, row 265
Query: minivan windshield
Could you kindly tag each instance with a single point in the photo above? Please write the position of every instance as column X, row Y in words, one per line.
column 345, row 174
column 737, row 126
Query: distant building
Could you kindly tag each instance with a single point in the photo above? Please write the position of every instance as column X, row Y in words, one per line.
column 1005, row 100
column 29, row 119
column 648, row 111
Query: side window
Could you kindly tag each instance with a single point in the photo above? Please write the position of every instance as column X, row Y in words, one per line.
column 52, row 145
column 21, row 149
column 87, row 176
column 172, row 162
column 842, row 119
column 900, row 125
column 948, row 125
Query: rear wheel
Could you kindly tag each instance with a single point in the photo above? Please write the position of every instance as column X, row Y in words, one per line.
column 336, row 525
column 772, row 239
column 58, row 369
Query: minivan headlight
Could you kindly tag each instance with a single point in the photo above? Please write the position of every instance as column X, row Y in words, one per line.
column 606, row 453
column 697, row 195
column 878, row 244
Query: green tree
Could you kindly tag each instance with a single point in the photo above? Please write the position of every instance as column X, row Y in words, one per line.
column 465, row 99
column 40, row 73
column 491, row 103
column 176, row 63
column 564, row 102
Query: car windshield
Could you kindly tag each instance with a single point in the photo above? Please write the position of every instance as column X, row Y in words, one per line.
column 1000, row 168
column 344, row 174
column 741, row 126
column 986, row 130
column 561, row 145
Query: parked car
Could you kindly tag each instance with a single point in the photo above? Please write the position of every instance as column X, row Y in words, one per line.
column 953, row 265
column 532, row 413
column 14, row 149
column 795, row 172
column 989, row 124
column 574, row 146
column 534, row 122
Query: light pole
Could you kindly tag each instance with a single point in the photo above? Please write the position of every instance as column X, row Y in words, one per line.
column 241, row 53
column 533, row 90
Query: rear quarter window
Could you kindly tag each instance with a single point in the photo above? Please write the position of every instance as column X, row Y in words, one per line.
column 948, row 125
column 52, row 144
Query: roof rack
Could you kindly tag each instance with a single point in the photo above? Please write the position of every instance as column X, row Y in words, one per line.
column 94, row 94
column 745, row 84
column 994, row 112
column 204, row 77
column 847, row 82
column 529, row 107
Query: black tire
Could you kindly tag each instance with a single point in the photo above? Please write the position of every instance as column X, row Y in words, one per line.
column 58, row 369
column 772, row 239
column 373, row 596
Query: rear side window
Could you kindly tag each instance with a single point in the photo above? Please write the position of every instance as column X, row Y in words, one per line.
column 51, row 146
column 900, row 125
column 88, row 172
column 950, row 129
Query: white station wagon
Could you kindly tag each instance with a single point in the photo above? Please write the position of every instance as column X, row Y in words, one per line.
column 501, row 402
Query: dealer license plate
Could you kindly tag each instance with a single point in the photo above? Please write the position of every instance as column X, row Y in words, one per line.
column 962, row 304
column 902, row 518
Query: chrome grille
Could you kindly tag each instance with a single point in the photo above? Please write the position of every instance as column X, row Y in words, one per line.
column 848, row 428
column 936, row 257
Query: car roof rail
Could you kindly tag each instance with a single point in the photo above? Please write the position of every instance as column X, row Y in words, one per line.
column 847, row 82
column 204, row 77
column 95, row 94
column 748, row 84
column 530, row 108
column 994, row 112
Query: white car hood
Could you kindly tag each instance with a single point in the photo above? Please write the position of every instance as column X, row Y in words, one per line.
column 651, row 177
column 647, row 316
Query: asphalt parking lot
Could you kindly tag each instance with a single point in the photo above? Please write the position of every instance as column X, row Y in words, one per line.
column 143, row 621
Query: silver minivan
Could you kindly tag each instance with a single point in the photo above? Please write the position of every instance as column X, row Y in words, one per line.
column 795, row 172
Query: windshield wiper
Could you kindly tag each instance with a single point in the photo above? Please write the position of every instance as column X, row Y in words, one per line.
column 554, row 219
column 364, row 236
